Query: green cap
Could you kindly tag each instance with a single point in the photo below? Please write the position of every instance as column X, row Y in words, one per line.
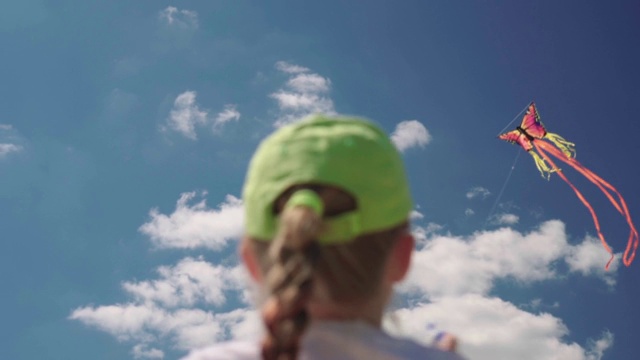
column 351, row 154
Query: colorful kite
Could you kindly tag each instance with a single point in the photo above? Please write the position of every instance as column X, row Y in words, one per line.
column 530, row 135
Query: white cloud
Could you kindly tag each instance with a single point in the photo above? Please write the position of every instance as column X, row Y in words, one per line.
column 6, row 149
column 469, row 212
column 471, row 265
column 416, row 215
column 8, row 139
column 123, row 321
column 304, row 93
column 186, row 115
column 505, row 219
column 167, row 309
column 242, row 324
column 186, row 19
column 422, row 234
column 290, row 68
column 462, row 272
column 245, row 324
column 193, row 226
column 597, row 348
column 141, row 351
column 146, row 324
column 230, row 113
column 187, row 283
column 587, row 258
column 410, row 133
column 300, row 104
column 491, row 328
column 309, row 83
column 459, row 265
column 478, row 191
column 194, row 328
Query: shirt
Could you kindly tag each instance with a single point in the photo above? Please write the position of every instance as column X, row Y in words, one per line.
column 333, row 340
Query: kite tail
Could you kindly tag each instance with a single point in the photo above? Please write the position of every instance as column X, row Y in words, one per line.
column 544, row 169
column 567, row 148
column 595, row 179
column 620, row 205
column 538, row 145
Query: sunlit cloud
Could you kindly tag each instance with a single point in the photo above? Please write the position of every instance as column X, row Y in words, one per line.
column 587, row 258
column 491, row 328
column 450, row 285
column 185, row 284
column 597, row 347
column 6, row 149
column 309, row 83
column 452, row 278
column 186, row 116
column 230, row 113
column 141, row 351
column 416, row 215
column 9, row 141
column 303, row 94
column 409, row 134
column 290, row 68
column 195, row 225
column 172, row 16
column 423, row 233
column 478, row 192
column 458, row 265
column 461, row 265
column 505, row 219
column 168, row 309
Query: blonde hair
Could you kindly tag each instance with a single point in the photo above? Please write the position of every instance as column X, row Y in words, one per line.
column 294, row 260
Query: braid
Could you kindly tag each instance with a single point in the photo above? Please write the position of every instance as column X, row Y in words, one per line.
column 293, row 256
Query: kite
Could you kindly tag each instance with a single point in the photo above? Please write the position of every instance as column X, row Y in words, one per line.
column 531, row 136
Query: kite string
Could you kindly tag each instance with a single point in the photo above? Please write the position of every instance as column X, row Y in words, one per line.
column 514, row 119
column 504, row 186
column 513, row 166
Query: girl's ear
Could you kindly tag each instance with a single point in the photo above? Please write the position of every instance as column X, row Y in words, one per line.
column 401, row 257
column 249, row 259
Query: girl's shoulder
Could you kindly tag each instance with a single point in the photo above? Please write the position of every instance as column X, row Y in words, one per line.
column 338, row 341
column 357, row 340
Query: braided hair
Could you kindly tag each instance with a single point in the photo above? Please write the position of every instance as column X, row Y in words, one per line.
column 294, row 262
column 290, row 282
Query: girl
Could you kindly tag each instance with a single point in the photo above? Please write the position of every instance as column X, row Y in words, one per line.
column 327, row 205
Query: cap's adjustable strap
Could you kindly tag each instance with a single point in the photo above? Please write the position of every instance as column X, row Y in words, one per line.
column 308, row 198
column 339, row 229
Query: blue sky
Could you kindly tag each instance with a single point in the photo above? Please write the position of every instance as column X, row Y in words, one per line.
column 126, row 128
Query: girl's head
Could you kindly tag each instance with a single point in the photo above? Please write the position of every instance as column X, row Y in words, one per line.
column 327, row 203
